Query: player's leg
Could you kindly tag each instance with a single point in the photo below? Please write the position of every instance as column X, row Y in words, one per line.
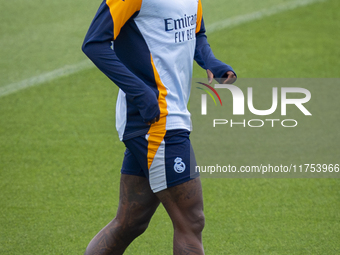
column 184, row 204
column 137, row 204
column 178, row 187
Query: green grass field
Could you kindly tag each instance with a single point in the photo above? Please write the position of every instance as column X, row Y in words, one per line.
column 60, row 156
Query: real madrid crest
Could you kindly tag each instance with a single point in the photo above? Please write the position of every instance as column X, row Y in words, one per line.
column 179, row 166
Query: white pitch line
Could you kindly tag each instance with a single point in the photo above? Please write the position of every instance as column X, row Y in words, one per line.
column 49, row 76
column 230, row 22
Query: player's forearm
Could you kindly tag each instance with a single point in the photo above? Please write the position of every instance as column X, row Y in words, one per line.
column 135, row 89
column 206, row 59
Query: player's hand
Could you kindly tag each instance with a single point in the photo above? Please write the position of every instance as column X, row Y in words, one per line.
column 154, row 120
column 231, row 77
column 210, row 76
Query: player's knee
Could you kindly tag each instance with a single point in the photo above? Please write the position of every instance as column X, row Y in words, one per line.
column 198, row 222
column 191, row 222
column 140, row 227
column 133, row 228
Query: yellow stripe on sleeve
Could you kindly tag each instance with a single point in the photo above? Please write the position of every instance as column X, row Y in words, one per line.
column 199, row 16
column 121, row 11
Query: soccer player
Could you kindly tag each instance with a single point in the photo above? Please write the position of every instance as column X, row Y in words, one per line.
column 147, row 48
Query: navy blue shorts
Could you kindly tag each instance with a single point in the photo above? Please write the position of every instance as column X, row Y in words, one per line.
column 166, row 159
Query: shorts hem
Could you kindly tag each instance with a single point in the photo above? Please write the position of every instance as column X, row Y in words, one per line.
column 176, row 183
column 141, row 174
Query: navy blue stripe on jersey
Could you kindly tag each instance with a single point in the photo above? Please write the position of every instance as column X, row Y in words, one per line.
column 134, row 53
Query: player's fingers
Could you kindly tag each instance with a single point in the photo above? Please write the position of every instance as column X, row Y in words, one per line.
column 230, row 79
column 210, row 76
column 154, row 120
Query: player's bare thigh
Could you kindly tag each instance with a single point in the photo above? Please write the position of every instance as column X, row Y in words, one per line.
column 184, row 203
column 136, row 199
